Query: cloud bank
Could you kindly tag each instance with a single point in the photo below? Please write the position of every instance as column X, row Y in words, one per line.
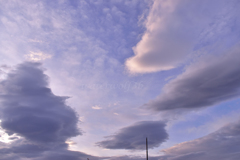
column 39, row 121
column 206, row 83
column 30, row 109
column 133, row 137
column 222, row 144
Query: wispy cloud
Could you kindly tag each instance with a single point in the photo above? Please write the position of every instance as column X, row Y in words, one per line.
column 85, row 47
column 96, row 107
column 37, row 56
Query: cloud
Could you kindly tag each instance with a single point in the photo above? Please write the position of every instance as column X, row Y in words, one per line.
column 206, row 83
column 4, row 137
column 96, row 107
column 67, row 155
column 222, row 144
column 41, row 120
column 166, row 41
column 30, row 109
column 175, row 29
column 133, row 158
column 37, row 152
column 133, row 137
column 37, row 56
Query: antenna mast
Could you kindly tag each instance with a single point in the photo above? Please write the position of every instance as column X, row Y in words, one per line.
column 146, row 148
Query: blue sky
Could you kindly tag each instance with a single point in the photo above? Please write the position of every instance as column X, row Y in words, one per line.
column 93, row 78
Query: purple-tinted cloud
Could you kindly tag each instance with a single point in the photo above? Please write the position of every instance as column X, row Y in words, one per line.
column 31, row 110
column 133, row 158
column 133, row 137
column 41, row 119
column 175, row 29
column 222, row 144
column 205, row 83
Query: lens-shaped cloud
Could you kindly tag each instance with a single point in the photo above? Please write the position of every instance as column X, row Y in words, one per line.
column 176, row 29
column 134, row 137
column 208, row 82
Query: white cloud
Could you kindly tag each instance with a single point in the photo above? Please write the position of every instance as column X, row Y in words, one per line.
column 5, row 138
column 35, row 41
column 173, row 30
column 96, row 107
column 37, row 56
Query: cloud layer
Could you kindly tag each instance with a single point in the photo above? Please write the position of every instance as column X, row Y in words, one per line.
column 133, row 137
column 39, row 121
column 30, row 109
column 208, row 82
column 222, row 144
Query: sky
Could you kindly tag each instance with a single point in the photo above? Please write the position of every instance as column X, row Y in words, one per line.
column 93, row 78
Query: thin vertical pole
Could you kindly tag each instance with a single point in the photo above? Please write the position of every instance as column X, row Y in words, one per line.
column 146, row 148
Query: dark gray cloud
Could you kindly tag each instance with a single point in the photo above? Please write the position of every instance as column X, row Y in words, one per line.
column 222, row 144
column 31, row 110
column 205, row 83
column 133, row 137
column 42, row 120
column 25, row 150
